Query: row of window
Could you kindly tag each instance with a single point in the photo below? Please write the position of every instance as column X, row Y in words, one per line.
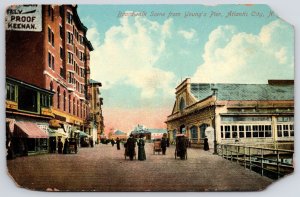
column 285, row 130
column 45, row 100
column 255, row 118
column 69, row 17
column 78, row 107
column 255, row 131
column 79, row 54
column 27, row 97
column 28, row 100
column 78, row 37
column 246, row 131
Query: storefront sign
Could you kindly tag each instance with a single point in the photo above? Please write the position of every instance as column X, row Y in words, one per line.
column 11, row 105
column 47, row 112
column 24, row 18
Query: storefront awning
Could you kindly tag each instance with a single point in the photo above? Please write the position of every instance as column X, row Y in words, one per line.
column 29, row 130
column 83, row 134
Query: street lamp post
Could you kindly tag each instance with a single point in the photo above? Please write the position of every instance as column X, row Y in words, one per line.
column 214, row 120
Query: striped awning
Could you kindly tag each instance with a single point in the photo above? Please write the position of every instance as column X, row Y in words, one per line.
column 29, row 130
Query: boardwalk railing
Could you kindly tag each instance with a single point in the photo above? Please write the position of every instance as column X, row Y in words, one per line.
column 273, row 163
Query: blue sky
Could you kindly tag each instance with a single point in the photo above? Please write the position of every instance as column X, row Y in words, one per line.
column 141, row 59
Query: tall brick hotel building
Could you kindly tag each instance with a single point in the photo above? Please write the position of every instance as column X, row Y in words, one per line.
column 47, row 78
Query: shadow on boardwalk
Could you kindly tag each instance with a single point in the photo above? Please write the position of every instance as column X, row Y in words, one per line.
column 103, row 168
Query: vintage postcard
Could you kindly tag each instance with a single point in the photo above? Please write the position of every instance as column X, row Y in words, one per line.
column 162, row 97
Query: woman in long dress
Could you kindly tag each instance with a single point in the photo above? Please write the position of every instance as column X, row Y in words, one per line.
column 141, row 149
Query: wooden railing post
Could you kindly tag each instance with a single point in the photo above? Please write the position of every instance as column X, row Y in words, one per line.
column 262, row 162
column 245, row 165
column 250, row 164
column 231, row 153
column 226, row 152
column 278, row 164
column 237, row 153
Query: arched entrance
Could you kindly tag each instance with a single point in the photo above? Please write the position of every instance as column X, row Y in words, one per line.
column 194, row 134
column 202, row 130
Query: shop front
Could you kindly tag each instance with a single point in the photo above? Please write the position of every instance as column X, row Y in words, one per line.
column 29, row 139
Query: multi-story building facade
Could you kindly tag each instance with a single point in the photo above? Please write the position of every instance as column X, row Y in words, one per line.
column 96, row 102
column 57, row 59
column 251, row 114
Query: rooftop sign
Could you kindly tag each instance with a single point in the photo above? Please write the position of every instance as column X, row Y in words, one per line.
column 24, row 18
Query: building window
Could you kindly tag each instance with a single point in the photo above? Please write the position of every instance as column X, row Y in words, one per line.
column 69, row 38
column 234, row 131
column 77, row 108
column 279, row 130
column 50, row 36
column 69, row 18
column 255, row 130
column 51, row 86
column 74, row 107
column 70, row 58
column 292, row 130
column 268, row 131
column 45, row 100
column 81, row 109
column 27, row 99
column 70, row 80
column 70, row 103
column 61, row 53
column 50, row 61
column 81, row 56
column 61, row 32
column 58, row 97
column 227, row 131
column 61, row 11
column 10, row 92
column 241, row 131
column 64, row 100
column 51, row 12
column 194, row 133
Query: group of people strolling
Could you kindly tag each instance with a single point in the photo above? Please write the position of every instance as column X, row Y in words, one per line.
column 181, row 146
column 131, row 143
column 130, row 148
column 63, row 148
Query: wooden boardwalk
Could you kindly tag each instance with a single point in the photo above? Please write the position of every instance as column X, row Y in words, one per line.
column 103, row 168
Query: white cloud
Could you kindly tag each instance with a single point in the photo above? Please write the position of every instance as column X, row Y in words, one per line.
column 188, row 35
column 129, row 53
column 238, row 57
column 93, row 35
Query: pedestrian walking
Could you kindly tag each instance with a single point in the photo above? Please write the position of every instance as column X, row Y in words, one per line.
column 118, row 143
column 130, row 147
column 206, row 146
column 141, row 149
column 163, row 145
column 59, row 146
column 181, row 146
column 66, row 146
column 112, row 142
